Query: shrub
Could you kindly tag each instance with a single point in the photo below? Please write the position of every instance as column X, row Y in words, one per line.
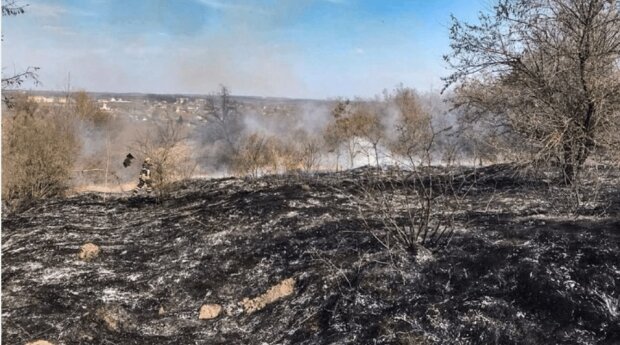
column 254, row 155
column 171, row 155
column 38, row 152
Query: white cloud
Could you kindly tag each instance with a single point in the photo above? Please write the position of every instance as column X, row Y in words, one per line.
column 60, row 30
column 56, row 11
column 226, row 5
column 47, row 10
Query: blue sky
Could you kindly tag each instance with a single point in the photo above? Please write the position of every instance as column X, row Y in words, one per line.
column 294, row 48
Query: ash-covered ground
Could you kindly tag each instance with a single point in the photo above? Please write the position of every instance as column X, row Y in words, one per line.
column 520, row 268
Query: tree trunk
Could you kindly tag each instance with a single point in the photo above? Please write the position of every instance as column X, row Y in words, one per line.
column 577, row 149
column 568, row 162
column 568, row 171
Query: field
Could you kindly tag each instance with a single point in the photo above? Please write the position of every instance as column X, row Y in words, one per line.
column 523, row 266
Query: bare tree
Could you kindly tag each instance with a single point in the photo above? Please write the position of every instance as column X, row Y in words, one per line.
column 12, row 8
column 370, row 127
column 547, row 70
column 222, row 133
column 16, row 79
column 223, row 112
column 334, row 135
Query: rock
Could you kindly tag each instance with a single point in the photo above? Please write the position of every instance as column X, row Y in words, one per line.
column 210, row 311
column 276, row 292
column 115, row 318
column 39, row 342
column 161, row 311
column 88, row 252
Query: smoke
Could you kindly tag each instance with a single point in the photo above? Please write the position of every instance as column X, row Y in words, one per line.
column 283, row 120
column 241, row 53
column 289, row 124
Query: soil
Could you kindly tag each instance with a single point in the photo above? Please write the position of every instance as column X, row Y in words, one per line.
column 524, row 265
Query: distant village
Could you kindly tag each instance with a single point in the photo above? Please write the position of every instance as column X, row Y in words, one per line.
column 191, row 110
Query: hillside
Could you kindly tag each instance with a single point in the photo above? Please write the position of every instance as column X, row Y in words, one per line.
column 518, row 270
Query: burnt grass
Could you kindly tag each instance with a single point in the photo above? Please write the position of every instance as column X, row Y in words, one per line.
column 523, row 266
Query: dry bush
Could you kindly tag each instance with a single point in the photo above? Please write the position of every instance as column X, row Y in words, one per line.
column 171, row 155
column 414, row 132
column 421, row 214
column 259, row 153
column 414, row 207
column 285, row 156
column 38, row 152
column 311, row 154
column 87, row 110
column 354, row 123
column 299, row 152
column 255, row 154
column 175, row 163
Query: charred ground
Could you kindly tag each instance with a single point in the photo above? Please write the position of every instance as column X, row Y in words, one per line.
column 518, row 270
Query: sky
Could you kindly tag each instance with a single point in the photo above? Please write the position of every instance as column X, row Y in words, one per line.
column 273, row 48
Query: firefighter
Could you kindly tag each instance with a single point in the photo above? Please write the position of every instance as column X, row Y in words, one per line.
column 145, row 177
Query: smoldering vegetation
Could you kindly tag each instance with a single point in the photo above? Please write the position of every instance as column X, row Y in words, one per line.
column 222, row 136
column 391, row 220
column 488, row 215
column 482, row 216
column 513, row 270
column 432, row 240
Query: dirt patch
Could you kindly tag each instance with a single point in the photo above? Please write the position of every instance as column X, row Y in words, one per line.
column 210, row 311
column 40, row 342
column 88, row 252
column 110, row 188
column 276, row 292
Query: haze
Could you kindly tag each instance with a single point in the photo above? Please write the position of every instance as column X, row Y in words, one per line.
column 297, row 49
